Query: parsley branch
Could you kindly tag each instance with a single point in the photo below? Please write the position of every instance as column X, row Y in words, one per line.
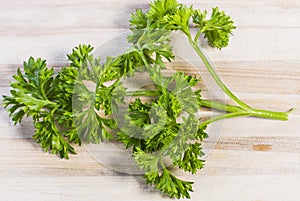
column 65, row 111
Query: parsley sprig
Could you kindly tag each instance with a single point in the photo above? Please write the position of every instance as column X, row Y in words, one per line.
column 66, row 111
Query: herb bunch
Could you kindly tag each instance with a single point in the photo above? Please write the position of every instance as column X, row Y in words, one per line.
column 66, row 112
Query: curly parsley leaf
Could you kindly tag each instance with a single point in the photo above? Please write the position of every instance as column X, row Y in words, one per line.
column 191, row 159
column 87, row 104
column 154, row 131
column 34, row 94
column 171, row 15
column 160, row 177
column 217, row 29
column 49, row 100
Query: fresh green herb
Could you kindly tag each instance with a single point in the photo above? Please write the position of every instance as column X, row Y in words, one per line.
column 66, row 111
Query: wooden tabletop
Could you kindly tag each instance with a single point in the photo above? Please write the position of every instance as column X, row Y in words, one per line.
column 253, row 160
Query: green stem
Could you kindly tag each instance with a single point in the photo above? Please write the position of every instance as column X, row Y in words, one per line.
column 225, row 116
column 146, row 63
column 210, row 69
column 270, row 114
column 143, row 93
column 253, row 112
column 197, row 36
column 220, row 106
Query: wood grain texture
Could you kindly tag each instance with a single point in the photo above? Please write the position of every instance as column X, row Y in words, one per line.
column 248, row 159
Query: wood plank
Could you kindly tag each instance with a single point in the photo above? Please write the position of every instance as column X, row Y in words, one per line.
column 76, row 188
column 246, row 188
column 254, row 127
column 253, row 188
column 230, row 156
column 115, row 14
column 259, row 77
column 257, row 83
column 51, row 46
column 247, row 44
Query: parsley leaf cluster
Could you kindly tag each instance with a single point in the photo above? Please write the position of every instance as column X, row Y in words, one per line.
column 154, row 132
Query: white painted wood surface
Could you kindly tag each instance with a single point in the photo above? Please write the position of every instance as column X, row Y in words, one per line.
column 254, row 159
